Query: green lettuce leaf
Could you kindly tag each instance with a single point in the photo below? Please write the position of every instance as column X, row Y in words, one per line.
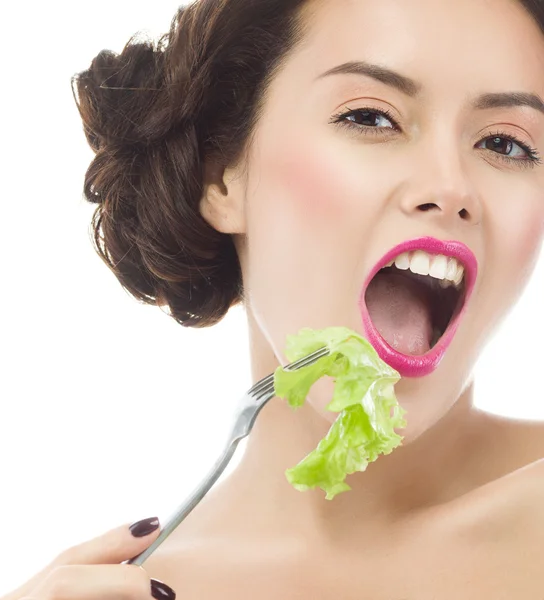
column 363, row 395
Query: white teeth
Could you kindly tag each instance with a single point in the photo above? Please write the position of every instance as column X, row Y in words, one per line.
column 451, row 271
column 438, row 267
column 403, row 261
column 459, row 275
column 444, row 268
column 420, row 263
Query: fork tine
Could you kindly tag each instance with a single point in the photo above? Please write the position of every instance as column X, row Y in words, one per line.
column 311, row 358
column 264, row 384
column 264, row 392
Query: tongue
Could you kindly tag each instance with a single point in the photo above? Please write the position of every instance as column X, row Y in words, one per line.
column 401, row 311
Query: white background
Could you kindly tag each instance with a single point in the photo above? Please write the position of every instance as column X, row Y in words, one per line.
column 110, row 411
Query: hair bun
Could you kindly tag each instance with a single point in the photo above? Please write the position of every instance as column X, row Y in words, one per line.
column 156, row 114
column 117, row 94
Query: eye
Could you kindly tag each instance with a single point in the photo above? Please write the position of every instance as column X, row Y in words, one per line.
column 366, row 119
column 503, row 144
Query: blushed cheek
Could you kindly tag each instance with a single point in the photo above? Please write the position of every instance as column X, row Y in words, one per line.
column 512, row 257
column 528, row 250
column 314, row 188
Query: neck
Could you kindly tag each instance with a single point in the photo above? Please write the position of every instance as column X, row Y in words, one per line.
column 425, row 473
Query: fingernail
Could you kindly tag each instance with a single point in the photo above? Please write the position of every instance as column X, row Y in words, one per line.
column 144, row 527
column 161, row 591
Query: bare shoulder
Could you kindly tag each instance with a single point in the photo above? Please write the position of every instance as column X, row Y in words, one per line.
column 525, row 434
column 526, row 487
column 524, row 442
column 521, row 444
column 511, row 505
column 511, row 446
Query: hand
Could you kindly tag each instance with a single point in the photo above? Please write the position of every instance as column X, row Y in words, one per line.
column 92, row 570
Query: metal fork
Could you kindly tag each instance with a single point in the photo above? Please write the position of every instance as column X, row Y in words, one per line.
column 249, row 407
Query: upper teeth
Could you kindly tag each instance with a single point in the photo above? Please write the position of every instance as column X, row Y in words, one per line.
column 445, row 268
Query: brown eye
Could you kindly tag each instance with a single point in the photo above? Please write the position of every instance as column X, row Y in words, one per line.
column 510, row 149
column 366, row 120
column 498, row 144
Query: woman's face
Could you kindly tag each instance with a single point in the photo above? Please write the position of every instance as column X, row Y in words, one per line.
column 325, row 202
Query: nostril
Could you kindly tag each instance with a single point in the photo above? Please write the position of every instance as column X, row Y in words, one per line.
column 464, row 213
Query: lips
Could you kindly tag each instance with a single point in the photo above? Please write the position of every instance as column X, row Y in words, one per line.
column 420, row 365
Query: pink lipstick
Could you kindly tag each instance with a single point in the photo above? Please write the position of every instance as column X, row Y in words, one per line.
column 423, row 364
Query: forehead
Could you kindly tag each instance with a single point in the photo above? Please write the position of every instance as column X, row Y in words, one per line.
column 493, row 43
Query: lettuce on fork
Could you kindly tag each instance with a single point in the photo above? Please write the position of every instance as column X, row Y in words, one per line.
column 363, row 397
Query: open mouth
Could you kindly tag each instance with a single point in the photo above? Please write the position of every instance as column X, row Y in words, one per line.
column 413, row 300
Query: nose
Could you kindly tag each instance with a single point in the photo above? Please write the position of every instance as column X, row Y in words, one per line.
column 443, row 192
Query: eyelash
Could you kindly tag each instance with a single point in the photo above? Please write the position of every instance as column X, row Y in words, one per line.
column 533, row 155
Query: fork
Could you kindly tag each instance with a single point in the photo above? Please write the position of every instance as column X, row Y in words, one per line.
column 249, row 407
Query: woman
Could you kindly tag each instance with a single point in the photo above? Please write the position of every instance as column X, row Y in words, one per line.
column 273, row 153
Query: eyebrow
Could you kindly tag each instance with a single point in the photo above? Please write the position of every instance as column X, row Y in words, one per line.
column 412, row 88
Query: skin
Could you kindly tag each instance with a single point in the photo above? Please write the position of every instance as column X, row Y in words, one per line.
column 455, row 511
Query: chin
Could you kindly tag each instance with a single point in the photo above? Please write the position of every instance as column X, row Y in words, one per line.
column 426, row 402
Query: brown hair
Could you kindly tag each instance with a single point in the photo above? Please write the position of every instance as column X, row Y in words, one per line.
column 154, row 114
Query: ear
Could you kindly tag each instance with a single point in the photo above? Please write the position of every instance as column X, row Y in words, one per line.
column 222, row 202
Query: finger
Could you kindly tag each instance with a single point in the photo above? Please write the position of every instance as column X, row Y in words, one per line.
column 95, row 582
column 112, row 547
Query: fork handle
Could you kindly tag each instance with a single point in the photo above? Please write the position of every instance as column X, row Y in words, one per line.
column 187, row 506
